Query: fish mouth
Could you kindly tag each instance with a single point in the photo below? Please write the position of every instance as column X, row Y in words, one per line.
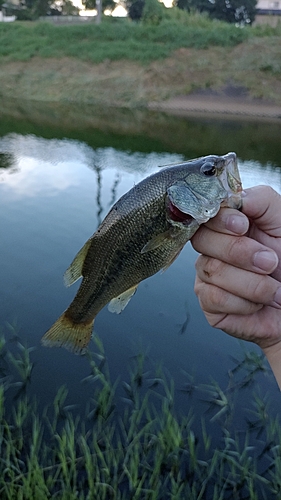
column 178, row 216
column 231, row 181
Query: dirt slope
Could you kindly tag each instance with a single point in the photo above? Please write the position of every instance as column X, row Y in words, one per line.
column 233, row 80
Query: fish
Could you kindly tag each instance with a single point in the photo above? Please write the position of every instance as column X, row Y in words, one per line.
column 143, row 233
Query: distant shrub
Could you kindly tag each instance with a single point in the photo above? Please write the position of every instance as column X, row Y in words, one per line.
column 24, row 14
column 135, row 9
column 262, row 30
column 193, row 17
column 153, row 12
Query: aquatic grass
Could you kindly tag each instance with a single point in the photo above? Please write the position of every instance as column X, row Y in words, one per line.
column 138, row 446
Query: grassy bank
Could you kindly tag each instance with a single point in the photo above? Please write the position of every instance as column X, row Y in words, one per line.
column 114, row 39
column 142, row 449
column 120, row 62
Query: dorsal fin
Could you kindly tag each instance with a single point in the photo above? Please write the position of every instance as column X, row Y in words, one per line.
column 74, row 271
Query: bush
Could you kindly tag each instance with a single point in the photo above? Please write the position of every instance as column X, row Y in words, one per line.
column 153, row 12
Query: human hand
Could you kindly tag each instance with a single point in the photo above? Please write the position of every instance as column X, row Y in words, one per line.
column 238, row 280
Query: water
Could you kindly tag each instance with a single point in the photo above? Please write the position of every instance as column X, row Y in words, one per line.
column 59, row 174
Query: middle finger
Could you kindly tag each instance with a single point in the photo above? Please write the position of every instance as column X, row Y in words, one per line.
column 239, row 251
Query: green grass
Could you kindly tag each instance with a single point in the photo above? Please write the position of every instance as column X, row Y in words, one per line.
column 143, row 449
column 218, row 54
column 121, row 39
column 115, row 40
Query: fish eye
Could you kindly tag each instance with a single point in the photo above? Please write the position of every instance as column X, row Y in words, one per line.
column 208, row 168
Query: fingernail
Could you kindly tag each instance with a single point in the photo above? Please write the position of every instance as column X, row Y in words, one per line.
column 265, row 260
column 277, row 297
column 237, row 224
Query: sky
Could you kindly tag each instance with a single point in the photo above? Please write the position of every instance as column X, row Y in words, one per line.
column 118, row 12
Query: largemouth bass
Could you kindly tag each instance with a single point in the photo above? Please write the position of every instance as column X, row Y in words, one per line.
column 143, row 233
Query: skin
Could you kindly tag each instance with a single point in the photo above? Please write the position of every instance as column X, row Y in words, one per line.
column 238, row 280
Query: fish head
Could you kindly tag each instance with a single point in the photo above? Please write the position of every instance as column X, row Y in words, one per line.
column 203, row 187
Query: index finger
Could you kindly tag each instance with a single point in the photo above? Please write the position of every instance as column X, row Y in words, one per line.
column 229, row 221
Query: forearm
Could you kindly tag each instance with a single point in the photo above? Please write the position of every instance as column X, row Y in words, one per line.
column 273, row 355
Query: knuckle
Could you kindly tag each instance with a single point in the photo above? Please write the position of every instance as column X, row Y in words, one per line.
column 198, row 262
column 197, row 286
column 236, row 248
column 259, row 290
column 269, row 191
column 198, row 239
column 211, row 298
column 208, row 267
column 219, row 299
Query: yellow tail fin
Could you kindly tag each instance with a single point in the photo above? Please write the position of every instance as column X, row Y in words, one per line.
column 64, row 333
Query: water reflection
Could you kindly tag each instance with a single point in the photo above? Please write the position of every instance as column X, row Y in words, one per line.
column 6, row 160
column 139, row 130
column 53, row 194
column 60, row 173
column 254, row 173
column 33, row 160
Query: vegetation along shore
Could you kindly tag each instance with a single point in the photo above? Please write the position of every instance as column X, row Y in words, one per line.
column 185, row 62
column 130, row 442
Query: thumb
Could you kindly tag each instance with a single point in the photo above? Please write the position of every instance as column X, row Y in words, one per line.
column 262, row 204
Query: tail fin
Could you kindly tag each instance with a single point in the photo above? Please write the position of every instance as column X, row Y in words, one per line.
column 64, row 333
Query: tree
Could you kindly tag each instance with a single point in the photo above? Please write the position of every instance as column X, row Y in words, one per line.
column 32, row 9
column 106, row 4
column 135, row 9
column 232, row 11
column 65, row 7
column 153, row 12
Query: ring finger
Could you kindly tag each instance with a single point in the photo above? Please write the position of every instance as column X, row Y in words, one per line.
column 215, row 300
column 257, row 288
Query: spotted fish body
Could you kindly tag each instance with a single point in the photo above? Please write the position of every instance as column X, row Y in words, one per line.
column 143, row 233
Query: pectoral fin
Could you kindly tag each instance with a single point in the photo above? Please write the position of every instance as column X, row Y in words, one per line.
column 157, row 241
column 119, row 303
column 74, row 272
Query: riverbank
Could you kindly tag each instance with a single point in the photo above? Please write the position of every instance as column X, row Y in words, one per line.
column 218, row 106
column 229, row 81
column 186, row 64
column 113, row 86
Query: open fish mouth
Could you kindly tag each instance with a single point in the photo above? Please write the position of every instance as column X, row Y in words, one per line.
column 177, row 215
column 231, row 181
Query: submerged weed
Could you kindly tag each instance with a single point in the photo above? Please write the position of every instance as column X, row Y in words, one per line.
column 139, row 449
